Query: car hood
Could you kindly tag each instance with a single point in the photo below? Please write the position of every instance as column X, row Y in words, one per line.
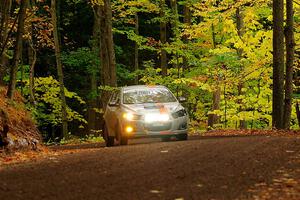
column 153, row 107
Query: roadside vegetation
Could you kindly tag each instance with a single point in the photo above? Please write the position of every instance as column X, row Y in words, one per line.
column 236, row 62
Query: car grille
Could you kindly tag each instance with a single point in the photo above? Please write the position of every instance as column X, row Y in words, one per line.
column 158, row 126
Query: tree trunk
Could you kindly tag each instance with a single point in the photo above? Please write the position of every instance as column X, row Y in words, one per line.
column 175, row 32
column 5, row 129
column 213, row 118
column 136, row 49
column 5, row 8
column 278, row 65
column 175, row 18
column 240, row 29
column 32, row 62
column 163, row 39
column 31, row 59
column 92, row 103
column 108, row 61
column 17, row 51
column 59, row 70
column 187, row 19
column 298, row 113
column 290, row 48
column 187, row 14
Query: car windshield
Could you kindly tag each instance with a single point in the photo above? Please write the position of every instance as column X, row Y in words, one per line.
column 149, row 95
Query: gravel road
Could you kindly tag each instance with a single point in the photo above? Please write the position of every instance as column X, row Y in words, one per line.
column 200, row 168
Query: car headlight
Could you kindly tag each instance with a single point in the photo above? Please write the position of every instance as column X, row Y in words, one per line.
column 155, row 117
column 130, row 116
column 179, row 113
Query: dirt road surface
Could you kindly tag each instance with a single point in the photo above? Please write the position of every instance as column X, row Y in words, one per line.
column 200, row 168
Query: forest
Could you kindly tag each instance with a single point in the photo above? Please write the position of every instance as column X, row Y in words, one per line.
column 236, row 61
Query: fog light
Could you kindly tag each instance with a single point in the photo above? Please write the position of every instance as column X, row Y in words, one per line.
column 128, row 129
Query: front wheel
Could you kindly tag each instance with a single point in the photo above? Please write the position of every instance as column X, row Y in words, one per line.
column 109, row 140
column 123, row 140
column 182, row 137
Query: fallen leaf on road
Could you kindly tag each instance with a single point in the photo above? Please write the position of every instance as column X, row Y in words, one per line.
column 155, row 191
column 289, row 151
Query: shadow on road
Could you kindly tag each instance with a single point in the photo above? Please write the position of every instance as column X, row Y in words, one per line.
column 141, row 141
column 77, row 146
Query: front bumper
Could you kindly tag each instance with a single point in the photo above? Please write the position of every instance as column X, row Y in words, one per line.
column 156, row 129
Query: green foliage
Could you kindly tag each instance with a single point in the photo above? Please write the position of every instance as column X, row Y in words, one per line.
column 124, row 75
column 206, row 55
column 81, row 140
column 83, row 64
column 47, row 110
column 82, row 59
column 22, row 74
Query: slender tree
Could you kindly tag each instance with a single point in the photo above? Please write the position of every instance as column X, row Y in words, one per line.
column 136, row 48
column 32, row 58
column 290, row 48
column 278, row 64
column 214, row 118
column 59, row 70
column 17, row 50
column 240, row 29
column 163, row 38
column 93, row 102
column 187, row 19
column 175, row 18
column 5, row 7
column 107, row 53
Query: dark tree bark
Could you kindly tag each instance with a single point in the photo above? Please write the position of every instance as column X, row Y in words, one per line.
column 59, row 70
column 108, row 61
column 187, row 15
column 240, row 29
column 136, row 48
column 5, row 8
column 17, row 51
column 298, row 113
column 32, row 57
column 175, row 32
column 278, row 65
column 187, row 19
column 175, row 18
column 93, row 103
column 5, row 129
column 213, row 118
column 290, row 48
column 32, row 61
column 163, row 39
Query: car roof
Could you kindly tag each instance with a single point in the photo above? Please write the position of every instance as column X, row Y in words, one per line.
column 133, row 87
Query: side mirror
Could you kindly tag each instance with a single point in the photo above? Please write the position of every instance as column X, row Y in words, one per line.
column 181, row 99
column 113, row 103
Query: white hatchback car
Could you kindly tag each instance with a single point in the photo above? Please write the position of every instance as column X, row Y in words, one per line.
column 144, row 111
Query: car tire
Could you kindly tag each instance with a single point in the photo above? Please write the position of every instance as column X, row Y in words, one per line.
column 109, row 140
column 123, row 140
column 182, row 136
